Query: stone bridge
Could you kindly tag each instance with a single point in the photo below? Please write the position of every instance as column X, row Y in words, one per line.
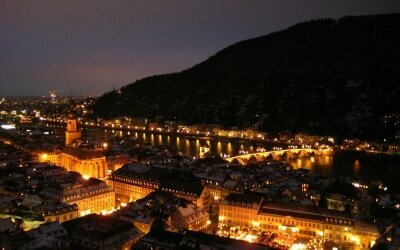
column 274, row 155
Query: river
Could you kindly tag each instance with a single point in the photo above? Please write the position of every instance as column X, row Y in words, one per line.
column 386, row 169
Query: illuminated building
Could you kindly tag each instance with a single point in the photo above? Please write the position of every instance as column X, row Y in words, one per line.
column 133, row 182
column 48, row 157
column 74, row 157
column 308, row 139
column 60, row 212
column 196, row 193
column 86, row 162
column 91, row 195
column 220, row 189
column 136, row 181
column 189, row 216
column 303, row 221
column 49, row 210
column 72, row 131
column 137, row 213
column 239, row 209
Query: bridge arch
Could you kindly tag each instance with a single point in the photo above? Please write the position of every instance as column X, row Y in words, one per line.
column 253, row 159
column 273, row 155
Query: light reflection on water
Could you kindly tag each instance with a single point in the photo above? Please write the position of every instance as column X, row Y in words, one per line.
column 188, row 146
column 372, row 168
column 356, row 166
column 325, row 165
column 321, row 164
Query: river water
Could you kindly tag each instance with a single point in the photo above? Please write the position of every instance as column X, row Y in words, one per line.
column 354, row 165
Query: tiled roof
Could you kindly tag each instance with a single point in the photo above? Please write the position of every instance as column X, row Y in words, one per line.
column 82, row 153
column 302, row 211
column 248, row 197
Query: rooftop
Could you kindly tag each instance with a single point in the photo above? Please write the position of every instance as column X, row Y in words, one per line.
column 248, row 197
column 82, row 154
column 97, row 226
column 302, row 211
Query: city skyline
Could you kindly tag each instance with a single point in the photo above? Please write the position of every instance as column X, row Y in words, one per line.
column 87, row 49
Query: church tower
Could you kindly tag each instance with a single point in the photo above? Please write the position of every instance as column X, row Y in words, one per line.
column 72, row 131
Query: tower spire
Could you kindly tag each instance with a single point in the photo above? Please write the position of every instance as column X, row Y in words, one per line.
column 72, row 131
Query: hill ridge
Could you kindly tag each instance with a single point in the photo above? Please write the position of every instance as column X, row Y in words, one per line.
column 324, row 76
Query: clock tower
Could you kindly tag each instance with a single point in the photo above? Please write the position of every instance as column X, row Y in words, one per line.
column 72, row 131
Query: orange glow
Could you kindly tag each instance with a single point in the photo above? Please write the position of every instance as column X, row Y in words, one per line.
column 44, row 157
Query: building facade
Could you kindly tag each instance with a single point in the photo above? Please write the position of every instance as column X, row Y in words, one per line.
column 86, row 162
column 303, row 221
column 61, row 213
column 189, row 217
column 91, row 196
column 135, row 181
column 72, row 131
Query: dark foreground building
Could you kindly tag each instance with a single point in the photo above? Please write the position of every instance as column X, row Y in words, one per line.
column 157, row 240
column 101, row 232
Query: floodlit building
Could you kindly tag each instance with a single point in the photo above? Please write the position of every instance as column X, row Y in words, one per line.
column 60, row 212
column 90, row 195
column 304, row 221
column 138, row 214
column 136, row 181
column 90, row 163
column 239, row 209
column 72, row 131
column 74, row 157
column 189, row 216
column 133, row 182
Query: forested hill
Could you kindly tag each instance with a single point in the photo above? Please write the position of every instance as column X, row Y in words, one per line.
column 326, row 76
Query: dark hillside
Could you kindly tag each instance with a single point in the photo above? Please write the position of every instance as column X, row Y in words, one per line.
column 326, row 76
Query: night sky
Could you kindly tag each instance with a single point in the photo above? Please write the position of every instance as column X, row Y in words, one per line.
column 88, row 47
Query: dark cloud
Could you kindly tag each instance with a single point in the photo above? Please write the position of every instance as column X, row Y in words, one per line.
column 87, row 47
